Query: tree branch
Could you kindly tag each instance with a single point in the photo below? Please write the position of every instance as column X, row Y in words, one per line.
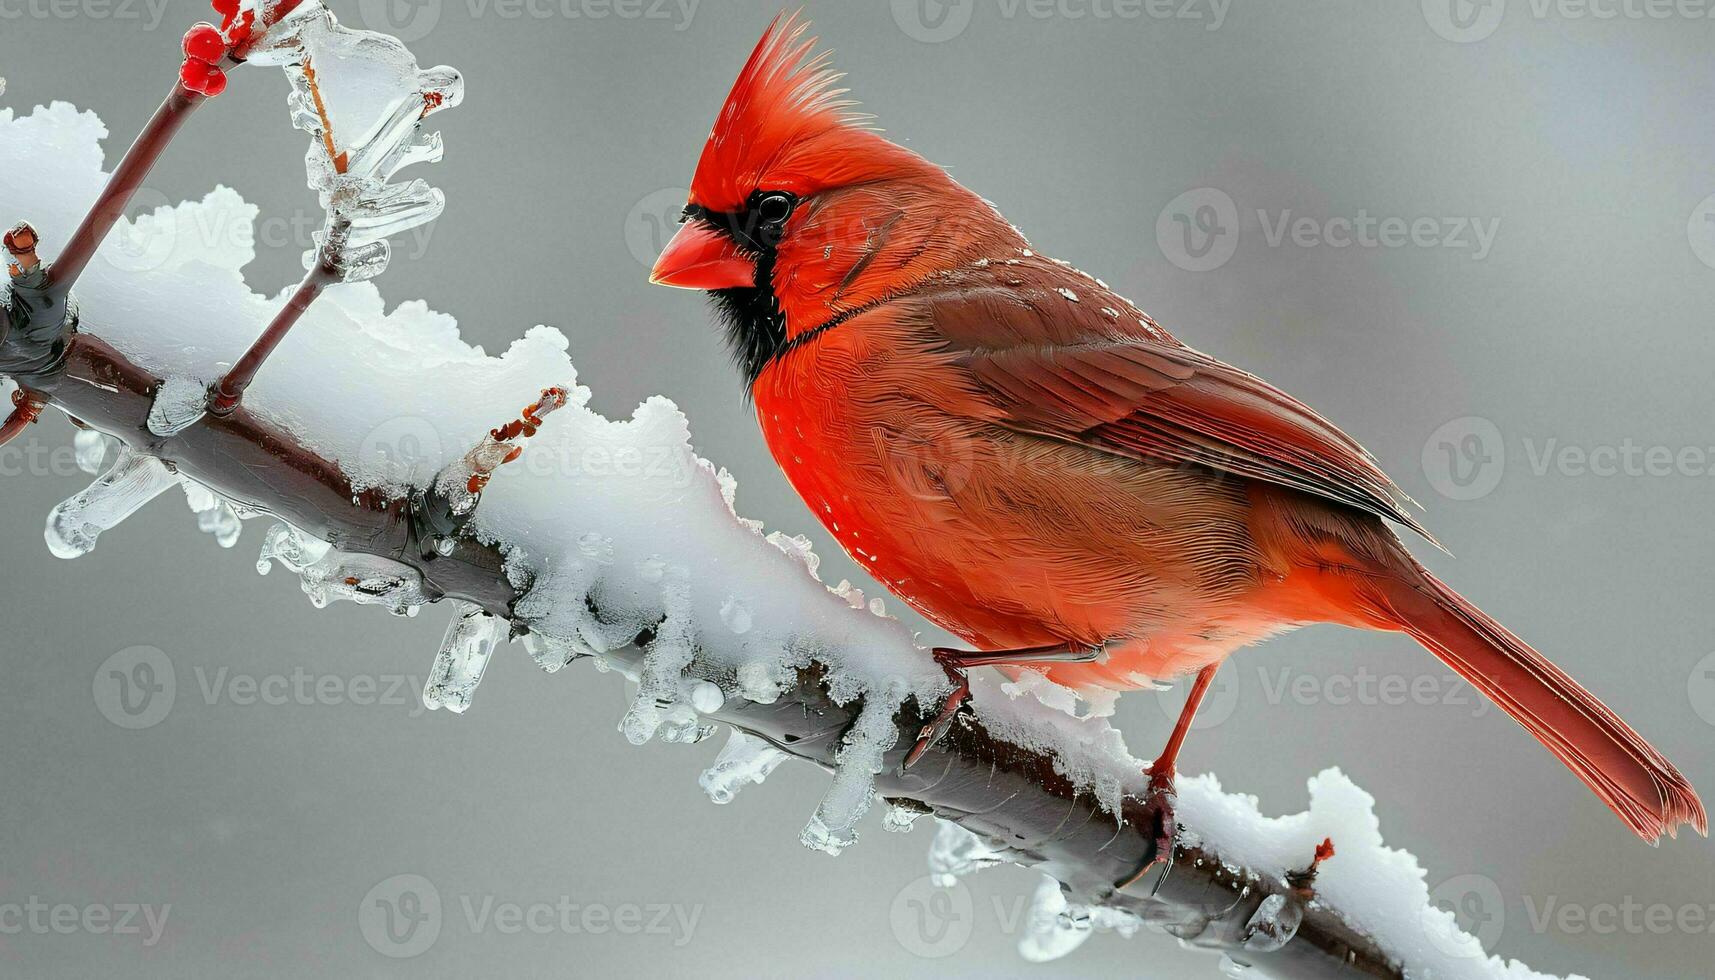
column 1011, row 795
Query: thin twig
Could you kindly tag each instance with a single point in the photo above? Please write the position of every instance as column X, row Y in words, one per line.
column 110, row 206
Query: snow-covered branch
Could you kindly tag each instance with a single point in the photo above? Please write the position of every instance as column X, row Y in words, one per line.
column 612, row 541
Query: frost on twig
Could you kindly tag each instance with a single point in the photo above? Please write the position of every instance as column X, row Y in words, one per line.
column 745, row 759
column 363, row 100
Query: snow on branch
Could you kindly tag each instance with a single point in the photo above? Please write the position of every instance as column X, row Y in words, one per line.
column 363, row 437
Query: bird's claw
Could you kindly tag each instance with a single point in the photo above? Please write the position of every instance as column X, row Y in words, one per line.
column 937, row 729
column 1158, row 807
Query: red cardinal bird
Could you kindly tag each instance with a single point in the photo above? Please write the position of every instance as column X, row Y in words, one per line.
column 1033, row 463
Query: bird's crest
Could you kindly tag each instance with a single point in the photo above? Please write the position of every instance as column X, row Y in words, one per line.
column 786, row 124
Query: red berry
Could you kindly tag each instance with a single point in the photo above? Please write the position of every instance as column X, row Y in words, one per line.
column 194, row 73
column 216, row 83
column 226, row 8
column 203, row 78
column 204, row 43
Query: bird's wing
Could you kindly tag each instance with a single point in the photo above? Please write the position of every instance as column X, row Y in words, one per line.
column 1076, row 362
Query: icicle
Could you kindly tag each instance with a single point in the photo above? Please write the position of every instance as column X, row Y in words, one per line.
column 464, row 654
column 367, row 580
column 833, row 827
column 92, row 449
column 900, row 819
column 1055, row 927
column 956, row 852
column 664, row 661
column 214, row 515
column 290, row 547
column 1273, row 924
column 178, row 404
column 362, row 99
column 744, row 760
column 680, row 725
column 132, row 481
column 1049, row 932
column 553, row 654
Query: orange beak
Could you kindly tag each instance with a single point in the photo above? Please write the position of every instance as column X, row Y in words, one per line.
column 699, row 257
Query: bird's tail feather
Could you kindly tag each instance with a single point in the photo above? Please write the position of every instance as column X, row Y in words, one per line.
column 1636, row 782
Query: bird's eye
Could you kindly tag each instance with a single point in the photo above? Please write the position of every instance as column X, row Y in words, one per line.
column 774, row 209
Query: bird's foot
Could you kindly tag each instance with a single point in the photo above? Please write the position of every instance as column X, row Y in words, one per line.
column 933, row 731
column 1158, row 809
column 956, row 662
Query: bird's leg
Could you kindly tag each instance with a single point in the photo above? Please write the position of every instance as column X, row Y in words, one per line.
column 1159, row 799
column 956, row 662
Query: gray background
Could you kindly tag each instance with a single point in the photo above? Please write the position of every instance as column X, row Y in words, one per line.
column 1587, row 325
